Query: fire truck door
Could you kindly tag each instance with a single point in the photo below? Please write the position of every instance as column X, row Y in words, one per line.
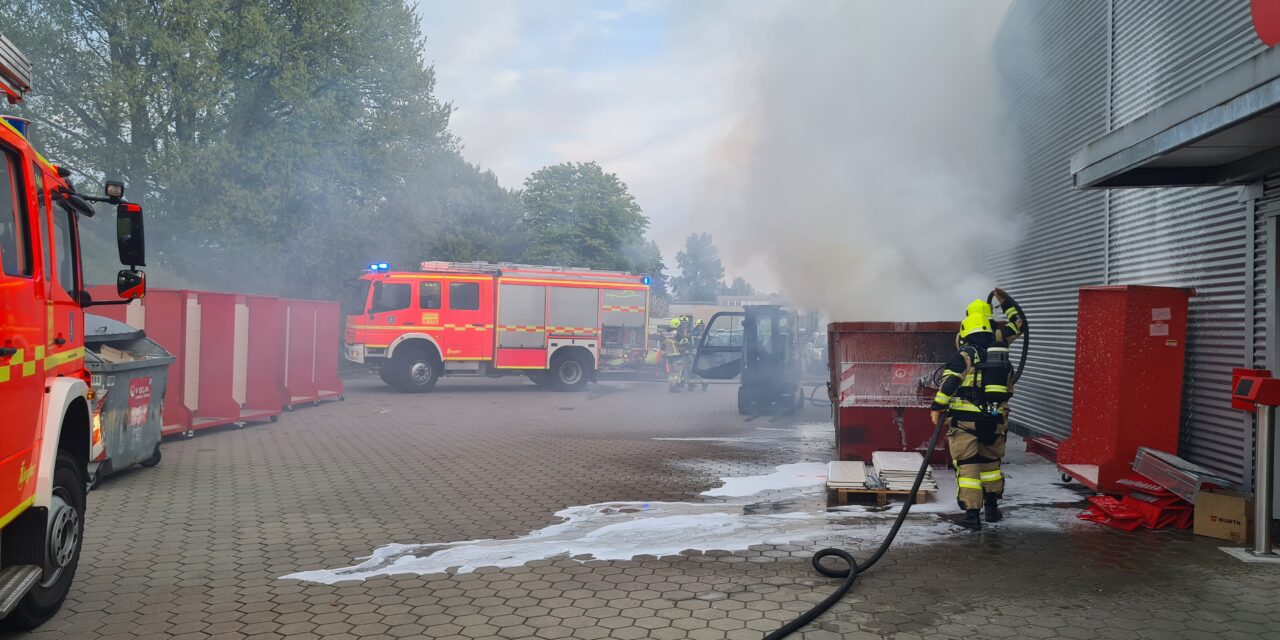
column 65, row 341
column 22, row 331
column 468, row 320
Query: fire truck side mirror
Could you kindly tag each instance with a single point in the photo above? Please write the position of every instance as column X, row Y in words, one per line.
column 131, row 284
column 130, row 238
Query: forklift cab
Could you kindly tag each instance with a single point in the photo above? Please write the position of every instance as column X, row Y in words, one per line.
column 761, row 344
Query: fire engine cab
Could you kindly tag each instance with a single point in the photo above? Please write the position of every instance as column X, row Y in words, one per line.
column 558, row 326
column 46, row 436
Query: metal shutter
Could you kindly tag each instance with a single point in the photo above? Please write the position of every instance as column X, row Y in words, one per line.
column 1195, row 237
column 1051, row 59
column 1163, row 48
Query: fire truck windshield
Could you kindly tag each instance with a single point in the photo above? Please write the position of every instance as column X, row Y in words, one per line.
column 355, row 293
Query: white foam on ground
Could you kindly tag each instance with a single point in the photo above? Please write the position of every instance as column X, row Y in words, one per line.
column 787, row 476
column 624, row 530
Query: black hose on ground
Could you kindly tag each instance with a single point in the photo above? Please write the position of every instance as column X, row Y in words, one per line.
column 851, row 574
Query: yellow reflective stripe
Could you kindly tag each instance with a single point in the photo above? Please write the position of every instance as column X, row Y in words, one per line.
column 996, row 388
column 63, row 357
column 969, row 483
column 991, row 476
column 942, row 398
column 952, row 374
column 16, row 511
column 4, row 373
column 964, row 405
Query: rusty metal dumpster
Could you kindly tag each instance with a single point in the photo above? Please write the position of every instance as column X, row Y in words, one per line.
column 129, row 375
column 882, row 384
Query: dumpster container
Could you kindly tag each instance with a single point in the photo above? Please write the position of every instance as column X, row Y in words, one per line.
column 882, row 385
column 130, row 373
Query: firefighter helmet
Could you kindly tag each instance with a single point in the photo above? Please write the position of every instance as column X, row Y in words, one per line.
column 978, row 308
column 675, row 323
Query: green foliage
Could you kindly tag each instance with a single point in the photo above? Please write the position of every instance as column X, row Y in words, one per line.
column 701, row 273
column 740, row 287
column 577, row 215
column 279, row 146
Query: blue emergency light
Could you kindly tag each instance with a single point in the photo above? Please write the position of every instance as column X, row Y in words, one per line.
column 379, row 266
column 646, row 280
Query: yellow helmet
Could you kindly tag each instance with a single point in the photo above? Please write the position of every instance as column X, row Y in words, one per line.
column 699, row 323
column 974, row 323
column 978, row 308
column 675, row 323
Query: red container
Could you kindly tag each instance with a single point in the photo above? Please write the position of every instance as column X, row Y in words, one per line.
column 882, row 384
column 1130, row 350
column 310, row 357
column 234, row 353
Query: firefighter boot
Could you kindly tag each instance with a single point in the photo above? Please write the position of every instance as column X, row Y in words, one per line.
column 969, row 520
column 991, row 511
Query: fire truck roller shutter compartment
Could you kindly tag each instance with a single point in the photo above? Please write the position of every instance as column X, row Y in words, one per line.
column 522, row 331
column 622, row 338
column 468, row 320
column 573, row 321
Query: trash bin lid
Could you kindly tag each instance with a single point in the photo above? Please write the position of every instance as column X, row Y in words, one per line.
column 100, row 329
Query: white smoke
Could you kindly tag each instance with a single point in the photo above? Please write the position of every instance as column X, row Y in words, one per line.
column 864, row 175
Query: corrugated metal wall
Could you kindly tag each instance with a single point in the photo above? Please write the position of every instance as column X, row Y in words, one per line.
column 1111, row 61
column 1052, row 68
column 1194, row 237
column 1162, row 48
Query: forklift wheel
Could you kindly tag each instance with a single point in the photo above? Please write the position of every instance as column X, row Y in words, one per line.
column 1066, row 478
column 153, row 460
column 275, row 418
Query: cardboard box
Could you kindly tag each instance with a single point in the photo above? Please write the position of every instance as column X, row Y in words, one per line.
column 1225, row 515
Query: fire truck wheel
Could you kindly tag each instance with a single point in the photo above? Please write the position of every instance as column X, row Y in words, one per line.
column 540, row 378
column 385, row 372
column 569, row 371
column 415, row 370
column 744, row 402
column 62, row 548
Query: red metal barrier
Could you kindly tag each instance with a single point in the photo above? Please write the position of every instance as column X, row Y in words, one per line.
column 881, row 384
column 239, row 358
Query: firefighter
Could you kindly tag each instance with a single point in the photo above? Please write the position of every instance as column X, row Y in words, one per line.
column 673, row 354
column 975, row 392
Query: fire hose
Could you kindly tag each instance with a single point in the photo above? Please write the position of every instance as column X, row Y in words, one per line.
column 855, row 569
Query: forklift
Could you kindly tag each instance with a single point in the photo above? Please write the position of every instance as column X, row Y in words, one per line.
column 761, row 344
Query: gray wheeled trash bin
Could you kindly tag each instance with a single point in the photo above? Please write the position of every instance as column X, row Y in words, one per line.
column 130, row 373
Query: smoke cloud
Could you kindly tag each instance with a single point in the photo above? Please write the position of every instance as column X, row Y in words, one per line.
column 864, row 173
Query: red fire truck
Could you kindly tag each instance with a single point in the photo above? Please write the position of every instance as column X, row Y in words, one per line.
column 47, row 438
column 558, row 326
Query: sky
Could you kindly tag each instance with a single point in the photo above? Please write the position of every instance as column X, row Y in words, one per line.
column 794, row 131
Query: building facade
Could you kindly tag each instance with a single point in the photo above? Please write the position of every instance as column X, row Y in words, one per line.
column 1121, row 179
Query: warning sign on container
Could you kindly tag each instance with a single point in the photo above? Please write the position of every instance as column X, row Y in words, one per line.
column 1159, row 329
column 139, row 398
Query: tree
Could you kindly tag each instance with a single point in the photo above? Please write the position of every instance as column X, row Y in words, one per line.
column 270, row 141
column 701, row 273
column 577, row 215
column 740, row 287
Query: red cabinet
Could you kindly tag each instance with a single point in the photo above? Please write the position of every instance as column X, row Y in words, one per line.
column 1131, row 346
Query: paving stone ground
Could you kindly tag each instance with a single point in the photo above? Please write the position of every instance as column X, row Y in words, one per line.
column 195, row 548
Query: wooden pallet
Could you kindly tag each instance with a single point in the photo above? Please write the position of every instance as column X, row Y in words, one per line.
column 841, row 496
